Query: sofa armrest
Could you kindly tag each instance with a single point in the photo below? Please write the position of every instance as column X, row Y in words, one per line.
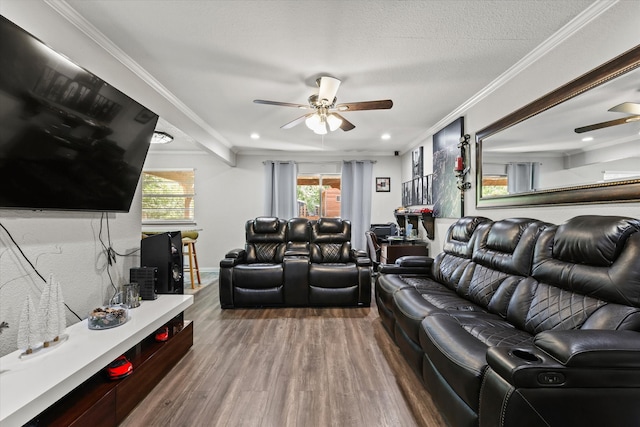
column 571, row 359
column 233, row 258
column 414, row 261
column 361, row 258
column 408, row 264
column 236, row 253
column 592, row 348
column 298, row 252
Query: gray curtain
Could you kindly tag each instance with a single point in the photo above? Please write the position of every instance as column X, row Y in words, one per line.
column 280, row 189
column 355, row 203
column 523, row 177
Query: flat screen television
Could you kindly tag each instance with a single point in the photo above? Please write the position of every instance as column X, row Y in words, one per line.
column 68, row 140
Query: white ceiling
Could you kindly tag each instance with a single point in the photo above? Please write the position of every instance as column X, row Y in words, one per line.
column 211, row 59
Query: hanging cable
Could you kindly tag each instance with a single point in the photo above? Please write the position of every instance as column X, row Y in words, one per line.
column 24, row 256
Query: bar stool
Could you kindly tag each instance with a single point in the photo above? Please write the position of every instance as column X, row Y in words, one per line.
column 189, row 239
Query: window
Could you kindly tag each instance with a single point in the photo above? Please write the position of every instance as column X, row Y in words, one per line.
column 168, row 195
column 494, row 185
column 319, row 195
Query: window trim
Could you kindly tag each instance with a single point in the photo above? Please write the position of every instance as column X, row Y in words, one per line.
column 154, row 222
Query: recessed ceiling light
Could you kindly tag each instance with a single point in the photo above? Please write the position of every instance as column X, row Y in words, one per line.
column 587, row 139
column 385, row 136
column 161, row 137
column 255, row 136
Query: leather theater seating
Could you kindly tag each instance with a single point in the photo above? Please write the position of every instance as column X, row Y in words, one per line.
column 524, row 323
column 295, row 263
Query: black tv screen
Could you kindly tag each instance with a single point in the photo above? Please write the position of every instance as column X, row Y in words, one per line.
column 68, row 140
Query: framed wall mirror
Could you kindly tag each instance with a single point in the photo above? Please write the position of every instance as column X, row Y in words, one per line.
column 577, row 144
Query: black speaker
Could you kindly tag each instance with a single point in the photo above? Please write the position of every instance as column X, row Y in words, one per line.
column 147, row 278
column 164, row 251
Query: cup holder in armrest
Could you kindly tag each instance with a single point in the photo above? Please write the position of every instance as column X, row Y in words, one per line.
column 525, row 355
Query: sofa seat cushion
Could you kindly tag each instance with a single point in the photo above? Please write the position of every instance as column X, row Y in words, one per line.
column 457, row 344
column 333, row 275
column 412, row 304
column 251, row 297
column 387, row 285
column 258, row 275
column 333, row 296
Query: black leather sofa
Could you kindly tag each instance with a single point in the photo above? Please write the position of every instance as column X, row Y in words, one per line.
column 524, row 323
column 295, row 263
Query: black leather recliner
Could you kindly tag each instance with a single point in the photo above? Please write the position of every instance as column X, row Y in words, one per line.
column 255, row 275
column 536, row 325
column 338, row 275
column 295, row 263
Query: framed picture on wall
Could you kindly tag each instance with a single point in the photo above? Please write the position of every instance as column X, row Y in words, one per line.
column 416, row 161
column 383, row 185
column 406, row 193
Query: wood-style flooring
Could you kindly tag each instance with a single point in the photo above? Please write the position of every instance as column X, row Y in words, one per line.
column 308, row 367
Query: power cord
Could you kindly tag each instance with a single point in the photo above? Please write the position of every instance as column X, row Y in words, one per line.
column 109, row 252
column 33, row 266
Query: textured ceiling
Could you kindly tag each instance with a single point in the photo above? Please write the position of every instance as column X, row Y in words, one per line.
column 212, row 58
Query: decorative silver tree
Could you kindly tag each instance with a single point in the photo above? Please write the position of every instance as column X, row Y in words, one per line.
column 48, row 310
column 29, row 332
column 51, row 311
column 62, row 319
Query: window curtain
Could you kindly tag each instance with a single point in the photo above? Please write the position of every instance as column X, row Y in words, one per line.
column 355, row 204
column 523, row 177
column 280, row 189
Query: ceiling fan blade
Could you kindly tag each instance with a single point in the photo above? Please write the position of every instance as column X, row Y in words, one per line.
column 346, row 125
column 328, row 89
column 607, row 124
column 281, row 104
column 626, row 107
column 296, row 122
column 383, row 104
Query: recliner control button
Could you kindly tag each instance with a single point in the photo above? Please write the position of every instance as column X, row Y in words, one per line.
column 551, row 378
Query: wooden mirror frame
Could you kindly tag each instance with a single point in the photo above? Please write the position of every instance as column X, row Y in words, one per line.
column 626, row 190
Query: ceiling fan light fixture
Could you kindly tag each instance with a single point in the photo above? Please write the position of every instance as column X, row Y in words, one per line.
column 313, row 121
column 334, row 122
column 321, row 129
column 328, row 89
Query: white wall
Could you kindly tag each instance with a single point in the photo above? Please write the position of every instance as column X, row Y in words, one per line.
column 226, row 197
column 609, row 35
column 67, row 245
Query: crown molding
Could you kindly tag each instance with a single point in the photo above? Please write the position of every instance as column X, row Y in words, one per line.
column 70, row 14
column 572, row 27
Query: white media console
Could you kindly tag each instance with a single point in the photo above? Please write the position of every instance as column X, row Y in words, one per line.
column 28, row 386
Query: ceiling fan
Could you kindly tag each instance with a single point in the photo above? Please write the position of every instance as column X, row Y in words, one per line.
column 325, row 115
column 626, row 107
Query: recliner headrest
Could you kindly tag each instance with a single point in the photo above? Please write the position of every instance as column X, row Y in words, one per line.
column 458, row 239
column 298, row 230
column 505, row 234
column 593, row 240
column 463, row 229
column 265, row 225
column 330, row 225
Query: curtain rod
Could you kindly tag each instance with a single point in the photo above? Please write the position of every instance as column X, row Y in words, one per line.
column 337, row 162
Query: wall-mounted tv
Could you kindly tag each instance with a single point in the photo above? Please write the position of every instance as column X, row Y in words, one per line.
column 68, row 140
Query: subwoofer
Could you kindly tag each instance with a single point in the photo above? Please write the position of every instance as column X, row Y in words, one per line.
column 164, row 251
column 146, row 278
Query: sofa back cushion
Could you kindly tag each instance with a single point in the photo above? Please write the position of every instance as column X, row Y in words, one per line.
column 298, row 234
column 501, row 259
column 592, row 255
column 265, row 240
column 537, row 307
column 330, row 241
column 585, row 275
column 457, row 249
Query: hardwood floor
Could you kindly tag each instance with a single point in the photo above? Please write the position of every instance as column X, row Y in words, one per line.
column 311, row 367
